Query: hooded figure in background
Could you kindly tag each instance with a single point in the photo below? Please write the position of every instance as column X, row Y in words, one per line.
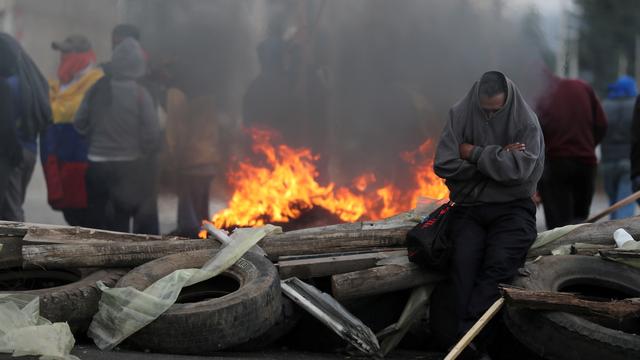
column 616, row 145
column 491, row 154
column 25, row 114
column 63, row 150
column 120, row 122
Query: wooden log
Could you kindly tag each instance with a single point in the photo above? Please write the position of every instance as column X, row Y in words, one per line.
column 337, row 238
column 11, row 252
column 600, row 233
column 567, row 302
column 379, row 280
column 318, row 266
column 112, row 254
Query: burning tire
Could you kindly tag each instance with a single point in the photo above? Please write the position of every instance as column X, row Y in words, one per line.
column 239, row 305
column 559, row 335
column 70, row 296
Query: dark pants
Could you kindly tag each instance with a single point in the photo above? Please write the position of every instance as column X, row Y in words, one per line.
column 490, row 244
column 193, row 203
column 77, row 217
column 116, row 192
column 146, row 219
column 14, row 181
column 567, row 188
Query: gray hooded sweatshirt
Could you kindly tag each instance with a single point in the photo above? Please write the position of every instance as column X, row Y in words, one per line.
column 491, row 175
column 117, row 114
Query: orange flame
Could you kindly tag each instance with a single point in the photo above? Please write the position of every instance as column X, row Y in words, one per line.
column 284, row 185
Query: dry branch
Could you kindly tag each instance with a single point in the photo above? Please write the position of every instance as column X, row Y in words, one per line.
column 572, row 303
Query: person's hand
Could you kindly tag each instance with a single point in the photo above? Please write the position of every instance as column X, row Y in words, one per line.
column 515, row 147
column 537, row 199
column 465, row 151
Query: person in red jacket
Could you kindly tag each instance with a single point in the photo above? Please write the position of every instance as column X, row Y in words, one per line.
column 573, row 123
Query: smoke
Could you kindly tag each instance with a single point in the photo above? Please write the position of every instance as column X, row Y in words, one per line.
column 358, row 81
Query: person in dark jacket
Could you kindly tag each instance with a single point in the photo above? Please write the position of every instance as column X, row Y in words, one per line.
column 616, row 145
column 491, row 155
column 121, row 125
column 573, row 123
column 26, row 113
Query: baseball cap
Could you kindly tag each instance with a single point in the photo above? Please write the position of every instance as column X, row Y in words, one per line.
column 73, row 43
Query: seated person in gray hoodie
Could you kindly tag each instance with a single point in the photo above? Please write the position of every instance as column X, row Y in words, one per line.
column 491, row 154
column 120, row 123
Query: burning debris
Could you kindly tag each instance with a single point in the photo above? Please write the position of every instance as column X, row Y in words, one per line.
column 282, row 183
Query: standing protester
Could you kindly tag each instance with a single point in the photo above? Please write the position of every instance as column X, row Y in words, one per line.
column 192, row 144
column 62, row 150
column 491, row 154
column 121, row 125
column 616, row 145
column 573, row 124
column 146, row 219
column 26, row 113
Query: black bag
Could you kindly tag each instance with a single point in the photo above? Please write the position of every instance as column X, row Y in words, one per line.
column 427, row 243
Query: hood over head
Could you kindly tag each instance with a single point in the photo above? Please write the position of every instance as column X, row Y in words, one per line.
column 127, row 61
column 515, row 111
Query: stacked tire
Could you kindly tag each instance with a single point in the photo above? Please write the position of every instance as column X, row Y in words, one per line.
column 560, row 335
column 65, row 296
column 210, row 319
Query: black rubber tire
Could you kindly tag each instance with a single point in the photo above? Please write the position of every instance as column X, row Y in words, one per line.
column 289, row 318
column 76, row 302
column 208, row 326
column 559, row 335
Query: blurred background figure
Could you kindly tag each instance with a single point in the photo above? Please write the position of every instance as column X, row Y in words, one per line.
column 26, row 113
column 63, row 151
column 192, row 146
column 121, row 124
column 573, row 124
column 616, row 145
column 145, row 220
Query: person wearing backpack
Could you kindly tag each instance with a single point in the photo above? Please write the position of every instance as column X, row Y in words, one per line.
column 491, row 154
column 121, row 125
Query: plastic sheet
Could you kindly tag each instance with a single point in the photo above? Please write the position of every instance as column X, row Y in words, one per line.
column 24, row 332
column 549, row 236
column 123, row 311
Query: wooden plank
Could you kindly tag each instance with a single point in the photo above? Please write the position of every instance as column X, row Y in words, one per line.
column 111, row 254
column 572, row 303
column 380, row 280
column 331, row 265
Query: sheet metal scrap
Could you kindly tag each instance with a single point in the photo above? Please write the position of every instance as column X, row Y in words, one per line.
column 329, row 311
